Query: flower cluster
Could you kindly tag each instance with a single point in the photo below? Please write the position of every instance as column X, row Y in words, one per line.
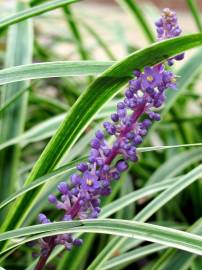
column 129, row 124
column 167, row 27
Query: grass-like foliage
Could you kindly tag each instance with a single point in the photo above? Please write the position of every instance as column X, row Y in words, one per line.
column 100, row 138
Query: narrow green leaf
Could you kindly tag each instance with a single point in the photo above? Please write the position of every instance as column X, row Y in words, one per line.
column 42, row 180
column 53, row 69
column 126, row 200
column 90, row 102
column 100, row 41
column 19, row 51
column 138, row 230
column 74, row 28
column 164, row 147
column 124, row 259
column 35, row 11
column 180, row 260
column 195, row 12
column 48, row 127
column 12, row 100
column 176, row 165
column 137, row 14
column 49, row 103
column 172, row 259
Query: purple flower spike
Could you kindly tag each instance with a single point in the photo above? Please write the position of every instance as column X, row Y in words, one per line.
column 129, row 124
column 167, row 27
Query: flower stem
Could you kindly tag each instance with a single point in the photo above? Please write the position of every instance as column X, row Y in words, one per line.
column 43, row 259
column 136, row 114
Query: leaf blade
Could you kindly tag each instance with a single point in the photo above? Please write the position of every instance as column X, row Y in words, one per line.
column 52, row 70
column 31, row 12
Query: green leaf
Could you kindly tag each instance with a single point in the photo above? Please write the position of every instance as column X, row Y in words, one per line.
column 66, row 169
column 53, row 69
column 19, row 51
column 90, row 102
column 176, row 165
column 172, row 259
column 74, row 28
column 35, row 11
column 195, row 12
column 138, row 230
column 130, row 198
column 180, row 260
column 12, row 100
column 47, row 128
column 147, row 212
column 50, row 103
column 137, row 14
column 100, row 41
column 124, row 259
column 165, row 147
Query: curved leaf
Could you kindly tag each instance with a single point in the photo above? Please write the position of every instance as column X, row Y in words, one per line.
column 132, row 256
column 53, row 69
column 133, row 8
column 195, row 12
column 143, row 231
column 12, row 121
column 42, row 180
column 35, row 11
column 176, row 165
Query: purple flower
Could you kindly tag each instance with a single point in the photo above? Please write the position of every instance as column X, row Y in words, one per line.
column 63, row 188
column 151, row 78
column 43, row 219
column 121, row 166
column 90, row 182
column 167, row 26
column 169, row 80
column 82, row 167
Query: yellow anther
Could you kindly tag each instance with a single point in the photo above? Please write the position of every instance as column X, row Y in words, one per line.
column 89, row 182
column 173, row 80
column 150, row 78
